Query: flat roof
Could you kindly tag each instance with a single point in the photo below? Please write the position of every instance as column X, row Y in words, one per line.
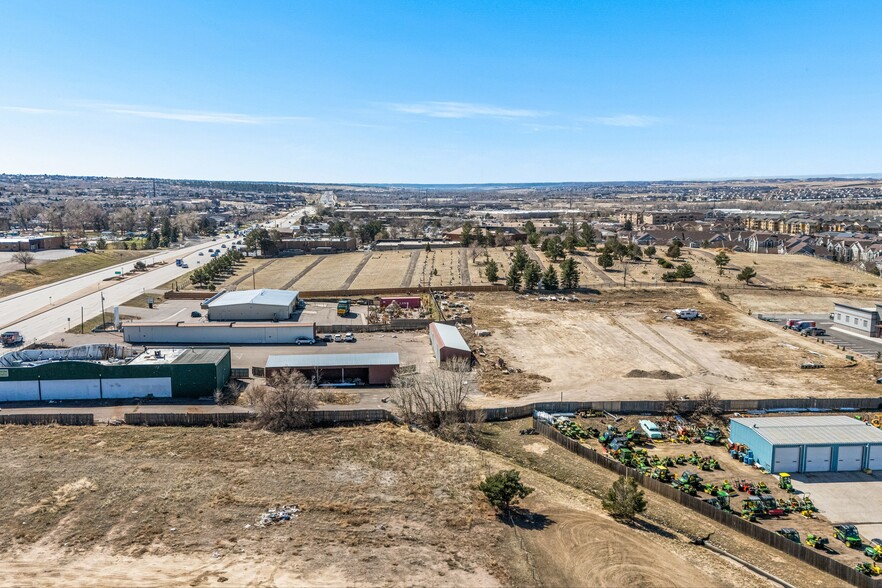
column 202, row 355
column 327, row 360
column 263, row 296
column 813, row 430
column 450, row 336
column 854, row 307
column 217, row 324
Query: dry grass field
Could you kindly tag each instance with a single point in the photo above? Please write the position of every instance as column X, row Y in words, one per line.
column 330, row 273
column 385, row 269
column 278, row 273
column 61, row 269
column 112, row 506
column 585, row 350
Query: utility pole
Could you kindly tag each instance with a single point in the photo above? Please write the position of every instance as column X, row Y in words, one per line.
column 82, row 331
column 253, row 282
column 103, row 320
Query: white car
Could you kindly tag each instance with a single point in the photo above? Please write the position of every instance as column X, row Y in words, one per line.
column 338, row 337
column 304, row 341
column 349, row 338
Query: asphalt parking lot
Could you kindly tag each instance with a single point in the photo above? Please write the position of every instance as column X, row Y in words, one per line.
column 322, row 313
column 847, row 497
column 856, row 343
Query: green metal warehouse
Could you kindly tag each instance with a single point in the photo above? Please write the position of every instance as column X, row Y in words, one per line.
column 94, row 373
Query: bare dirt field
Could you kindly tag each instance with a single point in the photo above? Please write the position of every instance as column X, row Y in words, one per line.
column 585, row 350
column 110, row 506
column 664, row 523
column 385, row 269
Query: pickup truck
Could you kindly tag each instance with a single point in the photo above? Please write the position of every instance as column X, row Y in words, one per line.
column 11, row 339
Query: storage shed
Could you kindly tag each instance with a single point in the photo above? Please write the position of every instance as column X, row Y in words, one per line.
column 810, row 443
column 40, row 375
column 244, row 333
column 336, row 368
column 447, row 342
column 253, row 305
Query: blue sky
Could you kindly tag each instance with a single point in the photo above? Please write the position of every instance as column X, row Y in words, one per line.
column 441, row 92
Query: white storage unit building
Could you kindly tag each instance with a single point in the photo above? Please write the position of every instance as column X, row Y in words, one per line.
column 810, row 443
column 234, row 333
column 253, row 305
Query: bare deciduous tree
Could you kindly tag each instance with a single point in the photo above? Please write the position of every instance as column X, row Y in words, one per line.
column 285, row 403
column 708, row 403
column 436, row 399
column 672, row 401
column 25, row 258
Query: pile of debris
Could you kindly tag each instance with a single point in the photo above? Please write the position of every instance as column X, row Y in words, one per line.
column 278, row 515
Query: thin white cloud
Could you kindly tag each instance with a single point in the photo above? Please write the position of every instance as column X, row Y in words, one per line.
column 195, row 116
column 30, row 110
column 464, row 110
column 625, row 120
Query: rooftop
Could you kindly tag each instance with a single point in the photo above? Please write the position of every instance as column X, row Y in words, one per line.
column 263, row 296
column 813, row 430
column 324, row 360
column 450, row 336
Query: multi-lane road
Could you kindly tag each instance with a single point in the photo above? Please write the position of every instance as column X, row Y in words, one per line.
column 41, row 312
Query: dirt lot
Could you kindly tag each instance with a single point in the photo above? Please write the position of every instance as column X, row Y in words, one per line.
column 585, row 350
column 665, row 521
column 732, row 470
column 385, row 269
column 379, row 506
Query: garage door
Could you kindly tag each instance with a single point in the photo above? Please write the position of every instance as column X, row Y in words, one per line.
column 851, row 458
column 817, row 459
column 787, row 459
column 875, row 461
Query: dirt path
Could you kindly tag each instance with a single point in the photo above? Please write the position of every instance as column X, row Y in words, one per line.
column 597, row 271
column 464, row 276
column 235, row 285
column 534, row 256
column 356, row 271
column 305, row 271
column 411, row 268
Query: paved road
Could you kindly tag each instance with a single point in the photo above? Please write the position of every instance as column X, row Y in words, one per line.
column 40, row 312
column 43, row 311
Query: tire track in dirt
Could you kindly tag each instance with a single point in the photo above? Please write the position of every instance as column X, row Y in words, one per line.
column 356, row 271
column 305, row 271
column 701, row 368
column 654, row 348
column 464, row 276
column 234, row 285
column 411, row 268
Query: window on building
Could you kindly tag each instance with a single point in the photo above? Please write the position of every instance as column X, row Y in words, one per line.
column 865, row 322
column 847, row 319
column 838, row 316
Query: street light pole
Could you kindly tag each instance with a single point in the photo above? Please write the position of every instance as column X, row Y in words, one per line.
column 103, row 319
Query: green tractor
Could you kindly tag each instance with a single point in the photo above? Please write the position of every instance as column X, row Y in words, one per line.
column 873, row 550
column 662, row 473
column 868, row 568
column 688, row 482
column 712, row 435
column 790, row 533
column 784, row 482
column 849, row 535
column 817, row 542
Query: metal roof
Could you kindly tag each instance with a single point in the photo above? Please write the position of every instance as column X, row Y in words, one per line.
column 449, row 336
column 263, row 296
column 813, row 430
column 202, row 355
column 329, row 360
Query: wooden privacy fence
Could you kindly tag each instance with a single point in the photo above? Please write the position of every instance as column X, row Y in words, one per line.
column 182, row 419
column 72, row 419
column 318, row 418
column 660, row 406
column 810, row 556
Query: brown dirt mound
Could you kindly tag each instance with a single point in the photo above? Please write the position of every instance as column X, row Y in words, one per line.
column 654, row 375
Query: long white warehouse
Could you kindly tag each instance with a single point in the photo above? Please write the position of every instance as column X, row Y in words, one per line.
column 235, row 333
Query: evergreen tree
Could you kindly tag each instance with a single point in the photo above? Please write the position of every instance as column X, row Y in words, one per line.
column 532, row 275
column 491, row 270
column 513, row 277
column 569, row 274
column 549, row 279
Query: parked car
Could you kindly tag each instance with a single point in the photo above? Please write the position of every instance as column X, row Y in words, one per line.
column 650, row 429
column 338, row 338
column 196, row 314
column 224, row 246
column 349, row 338
column 328, row 338
column 81, row 250
column 814, row 332
column 304, row 341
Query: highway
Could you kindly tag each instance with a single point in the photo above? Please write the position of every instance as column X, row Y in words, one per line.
column 40, row 312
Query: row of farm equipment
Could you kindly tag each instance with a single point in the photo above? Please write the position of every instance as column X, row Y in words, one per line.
column 849, row 535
